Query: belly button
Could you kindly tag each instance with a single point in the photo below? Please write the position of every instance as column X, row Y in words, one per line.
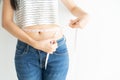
column 39, row 32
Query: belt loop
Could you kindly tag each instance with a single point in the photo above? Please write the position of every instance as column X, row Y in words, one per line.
column 27, row 48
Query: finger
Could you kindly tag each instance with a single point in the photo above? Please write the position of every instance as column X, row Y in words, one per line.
column 50, row 51
column 78, row 24
column 54, row 50
column 53, row 40
column 72, row 21
column 75, row 26
column 75, row 21
column 55, row 46
column 72, row 25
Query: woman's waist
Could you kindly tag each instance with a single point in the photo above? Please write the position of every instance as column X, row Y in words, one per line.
column 42, row 32
column 40, row 26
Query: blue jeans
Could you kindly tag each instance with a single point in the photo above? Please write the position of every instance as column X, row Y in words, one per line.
column 30, row 62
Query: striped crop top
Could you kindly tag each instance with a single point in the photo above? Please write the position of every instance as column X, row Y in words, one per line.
column 36, row 12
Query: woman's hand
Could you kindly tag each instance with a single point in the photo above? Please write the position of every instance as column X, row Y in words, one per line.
column 79, row 22
column 48, row 46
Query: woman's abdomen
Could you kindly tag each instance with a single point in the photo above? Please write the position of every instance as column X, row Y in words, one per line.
column 42, row 32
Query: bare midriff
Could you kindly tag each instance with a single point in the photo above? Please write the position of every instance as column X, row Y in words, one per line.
column 46, row 31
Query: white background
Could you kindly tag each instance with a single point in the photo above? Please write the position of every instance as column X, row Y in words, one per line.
column 97, row 55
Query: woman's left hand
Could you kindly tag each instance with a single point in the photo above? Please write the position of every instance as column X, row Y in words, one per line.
column 79, row 22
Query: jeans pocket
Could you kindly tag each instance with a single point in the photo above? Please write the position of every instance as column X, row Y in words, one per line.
column 61, row 50
column 21, row 49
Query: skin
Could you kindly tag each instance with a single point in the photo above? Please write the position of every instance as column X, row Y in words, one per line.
column 40, row 44
column 81, row 16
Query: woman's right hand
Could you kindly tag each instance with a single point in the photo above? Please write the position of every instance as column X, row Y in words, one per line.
column 48, row 46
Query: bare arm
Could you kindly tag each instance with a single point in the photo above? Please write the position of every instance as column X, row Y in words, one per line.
column 76, row 11
column 10, row 26
column 73, row 8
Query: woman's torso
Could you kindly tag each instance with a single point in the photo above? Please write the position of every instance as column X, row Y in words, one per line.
column 42, row 32
column 38, row 14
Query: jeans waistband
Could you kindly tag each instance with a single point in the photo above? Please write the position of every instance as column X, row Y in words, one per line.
column 59, row 41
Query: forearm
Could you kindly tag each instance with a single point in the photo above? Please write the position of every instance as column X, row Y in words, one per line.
column 78, row 12
column 12, row 28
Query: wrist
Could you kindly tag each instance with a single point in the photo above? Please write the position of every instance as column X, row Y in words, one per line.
column 31, row 41
column 36, row 44
column 83, row 15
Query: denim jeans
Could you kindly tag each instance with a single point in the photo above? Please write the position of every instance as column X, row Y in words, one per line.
column 30, row 62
